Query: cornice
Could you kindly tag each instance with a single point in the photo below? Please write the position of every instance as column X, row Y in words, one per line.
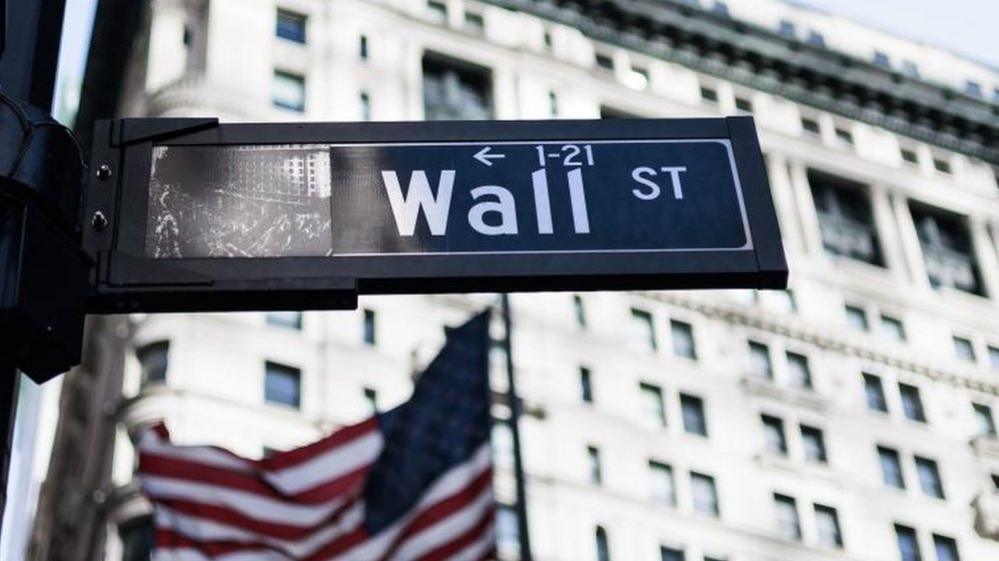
column 764, row 60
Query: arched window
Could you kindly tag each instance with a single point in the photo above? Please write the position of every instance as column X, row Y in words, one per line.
column 603, row 549
column 154, row 359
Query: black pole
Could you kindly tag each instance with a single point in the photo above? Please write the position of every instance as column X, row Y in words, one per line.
column 514, row 423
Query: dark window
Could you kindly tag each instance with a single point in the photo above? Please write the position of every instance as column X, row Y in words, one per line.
column 438, row 10
column 973, row 88
column 912, row 404
column 815, row 38
column 585, row 384
column 547, row 38
column 773, row 435
column 605, row 61
column 641, row 76
column 984, row 420
column 475, row 22
column 663, row 485
column 845, row 218
column 362, row 47
column 908, row 545
column 759, row 360
column 153, row 362
column 910, row 156
column 857, row 318
column 683, row 339
column 929, row 477
column 814, row 444
column 694, row 420
column 364, row 101
column 705, row 494
column 653, row 408
column 946, row 548
column 964, row 349
column 827, row 527
column 799, row 374
column 370, row 327
column 670, row 554
column 891, row 468
column 603, row 548
column 643, row 333
column 282, row 384
column 288, row 91
column 811, row 126
column 552, row 104
column 787, row 28
column 593, row 464
column 882, row 59
column 709, row 95
column 993, row 357
column 371, row 399
column 137, row 539
column 291, row 26
column 612, row 113
column 995, row 482
column 289, row 320
column 844, row 136
column 455, row 91
column 941, row 165
column 875, row 393
column 579, row 310
column 893, row 327
column 947, row 250
column 744, row 105
column 788, row 524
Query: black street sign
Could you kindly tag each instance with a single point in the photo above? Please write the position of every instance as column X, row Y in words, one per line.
column 192, row 214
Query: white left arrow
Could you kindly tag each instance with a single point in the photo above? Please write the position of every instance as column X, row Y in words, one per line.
column 484, row 156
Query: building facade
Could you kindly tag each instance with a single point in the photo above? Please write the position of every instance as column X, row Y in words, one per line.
column 851, row 417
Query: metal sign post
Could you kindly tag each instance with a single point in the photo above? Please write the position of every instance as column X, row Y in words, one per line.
column 189, row 215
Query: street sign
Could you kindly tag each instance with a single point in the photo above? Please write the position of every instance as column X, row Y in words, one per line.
column 191, row 214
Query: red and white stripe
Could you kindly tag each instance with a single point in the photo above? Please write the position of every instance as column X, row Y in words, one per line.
column 306, row 504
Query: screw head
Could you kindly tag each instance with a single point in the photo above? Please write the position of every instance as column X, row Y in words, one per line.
column 103, row 172
column 98, row 221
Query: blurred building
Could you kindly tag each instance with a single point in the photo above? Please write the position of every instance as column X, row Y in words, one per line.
column 849, row 418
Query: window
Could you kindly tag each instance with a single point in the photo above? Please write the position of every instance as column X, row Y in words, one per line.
column 744, row 105
column 845, row 218
column 787, row 28
column 455, row 91
column 947, row 250
column 910, row 156
column 291, row 26
column 370, row 327
column 683, row 339
column 912, row 404
column 799, row 375
column 663, row 487
column 709, row 95
column 788, row 524
column 814, row 444
column 288, row 320
column 929, row 477
column 721, row 8
column 552, row 104
column 288, row 91
column 705, row 494
column 694, row 421
column 993, row 357
column 605, row 61
column 137, row 539
column 579, row 310
column 282, row 384
column 362, row 47
column 910, row 69
column 653, row 408
column 153, row 362
column 639, row 78
column 891, row 468
column 585, row 384
column 371, row 399
column 670, row 554
column 811, row 126
column 759, row 361
column 547, row 39
column 882, row 59
column 593, row 465
column 964, row 349
column 941, row 165
column 946, row 548
column 827, row 527
column 816, row 39
column 984, row 419
column 843, row 135
column 973, row 88
column 603, row 548
column 856, row 318
column 365, row 103
column 475, row 22
column 437, row 10
column 893, row 328
column 908, row 545
column 507, row 531
column 773, row 435
column 643, row 333
column 875, row 393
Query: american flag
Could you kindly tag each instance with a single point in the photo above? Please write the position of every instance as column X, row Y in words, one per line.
column 411, row 484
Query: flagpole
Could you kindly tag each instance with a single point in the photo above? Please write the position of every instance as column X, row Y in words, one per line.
column 514, row 424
